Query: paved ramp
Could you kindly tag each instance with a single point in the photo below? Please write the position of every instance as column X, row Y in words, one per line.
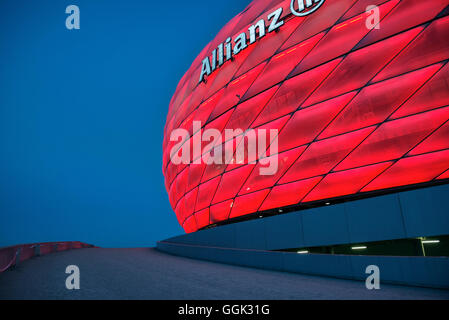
column 150, row 274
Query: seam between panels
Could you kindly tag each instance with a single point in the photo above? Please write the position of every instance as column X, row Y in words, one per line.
column 340, row 134
column 193, row 211
column 205, row 167
column 215, row 191
column 238, row 191
column 289, row 76
column 379, row 4
column 268, row 60
column 404, row 156
column 289, row 17
column 386, row 64
column 354, row 90
column 196, row 201
column 425, row 24
column 358, row 167
column 363, row 166
column 236, row 105
column 257, row 161
column 332, row 119
column 427, row 136
column 393, row 161
column 344, row 196
column 343, row 56
column 387, row 119
column 371, row 31
column 437, row 17
column 262, row 109
column 307, row 97
column 447, row 170
column 338, row 57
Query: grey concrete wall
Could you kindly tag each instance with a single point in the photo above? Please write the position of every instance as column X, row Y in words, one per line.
column 415, row 271
column 410, row 214
column 423, row 212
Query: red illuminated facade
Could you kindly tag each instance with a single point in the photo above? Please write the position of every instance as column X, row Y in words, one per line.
column 359, row 110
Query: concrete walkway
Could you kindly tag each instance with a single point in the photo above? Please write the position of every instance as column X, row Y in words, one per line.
column 149, row 274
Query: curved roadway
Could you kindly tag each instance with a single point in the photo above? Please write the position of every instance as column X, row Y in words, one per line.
column 150, row 274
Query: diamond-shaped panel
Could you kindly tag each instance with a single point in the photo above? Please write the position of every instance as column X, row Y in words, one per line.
column 351, row 110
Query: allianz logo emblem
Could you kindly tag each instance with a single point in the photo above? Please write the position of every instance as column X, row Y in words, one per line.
column 305, row 7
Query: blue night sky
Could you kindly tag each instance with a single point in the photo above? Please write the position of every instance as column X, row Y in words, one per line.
column 82, row 115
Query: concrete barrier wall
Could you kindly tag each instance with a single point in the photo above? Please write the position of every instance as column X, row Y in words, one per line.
column 11, row 256
column 410, row 214
column 416, row 271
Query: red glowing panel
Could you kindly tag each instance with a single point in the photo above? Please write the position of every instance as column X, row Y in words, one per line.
column 406, row 14
column 180, row 211
column 235, row 90
column 181, row 184
column 220, row 211
column 273, row 125
column 434, row 94
column 323, row 155
column 356, row 109
column 280, row 163
column 170, row 173
column 204, row 110
column 205, row 193
column 438, row 140
column 360, row 7
column 183, row 110
column 228, row 71
column 444, row 175
column 360, row 66
column 247, row 111
column 182, row 179
column 395, row 138
column 248, row 203
column 412, row 170
column 195, row 171
column 271, row 42
column 293, row 92
column 330, row 12
column 218, row 80
column 281, row 65
column 288, row 194
column 208, row 144
column 429, row 47
column 190, row 197
column 376, row 102
column 306, row 124
column 202, row 218
column 348, row 182
column 213, row 170
column 342, row 38
column 187, row 124
column 230, row 148
column 190, row 225
column 173, row 195
column 231, row 183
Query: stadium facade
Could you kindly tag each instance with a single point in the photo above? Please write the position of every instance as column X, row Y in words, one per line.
column 358, row 94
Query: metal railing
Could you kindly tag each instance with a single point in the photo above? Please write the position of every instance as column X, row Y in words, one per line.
column 11, row 256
